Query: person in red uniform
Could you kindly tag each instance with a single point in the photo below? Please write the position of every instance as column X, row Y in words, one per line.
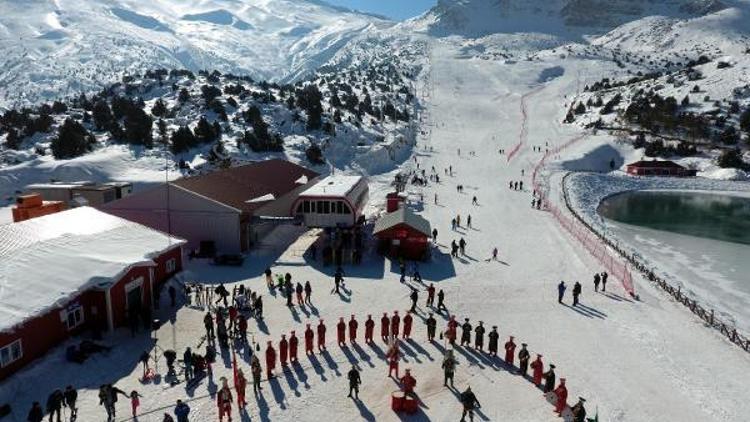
column 341, row 332
column 270, row 360
column 395, row 321
column 510, row 351
column 321, row 335
column 224, row 401
column 353, row 324
column 538, row 367
column 293, row 343
column 240, row 383
column 408, row 382
column 452, row 329
column 407, row 324
column 393, row 357
column 430, row 295
column 562, row 396
column 309, row 338
column 283, row 349
column 385, row 325
column 369, row 328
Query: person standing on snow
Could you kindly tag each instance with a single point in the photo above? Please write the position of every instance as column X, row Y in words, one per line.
column 470, row 403
column 70, row 396
column 431, row 327
column 299, row 290
column 309, row 338
column 369, row 329
column 479, row 336
column 596, row 282
column 523, row 360
column 434, row 233
column 494, row 337
column 395, row 321
column 283, row 350
column 385, row 326
column 466, row 332
column 135, row 402
column 208, row 322
column 449, row 368
column 224, row 400
column 462, row 246
column 308, row 292
column 36, row 414
column 561, row 291
column 293, row 344
column 354, row 382
column 341, row 332
column 181, row 410
column 510, row 351
column 604, row 281
column 441, row 304
column 256, row 371
column 321, row 335
column 473, row 202
column 549, row 379
column 430, row 295
column 468, row 221
column 54, row 404
column 576, row 292
column 579, row 411
column 353, row 325
column 240, row 384
column 414, row 296
column 538, row 367
column 270, row 360
column 408, row 319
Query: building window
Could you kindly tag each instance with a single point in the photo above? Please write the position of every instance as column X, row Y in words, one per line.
column 320, row 207
column 326, row 207
column 74, row 316
column 347, row 210
column 306, row 208
column 171, row 265
column 11, row 353
column 299, row 208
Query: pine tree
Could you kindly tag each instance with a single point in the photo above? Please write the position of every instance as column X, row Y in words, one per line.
column 745, row 121
column 183, row 96
column 580, row 109
column 309, row 99
column 204, row 132
column 183, row 139
column 731, row 158
column 72, row 140
column 159, row 109
column 102, row 115
column 138, row 126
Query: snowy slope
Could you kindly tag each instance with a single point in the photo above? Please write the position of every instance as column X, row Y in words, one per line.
column 52, row 48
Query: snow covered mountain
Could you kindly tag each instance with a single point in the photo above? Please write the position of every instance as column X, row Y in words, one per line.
column 50, row 48
column 561, row 17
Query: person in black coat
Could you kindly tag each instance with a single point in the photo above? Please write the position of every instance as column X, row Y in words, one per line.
column 414, row 298
column 354, row 382
column 523, row 358
column 36, row 414
column 470, row 402
column 466, row 332
column 549, row 379
column 54, row 404
column 431, row 327
column 70, row 396
column 479, row 336
column 494, row 336
column 576, row 292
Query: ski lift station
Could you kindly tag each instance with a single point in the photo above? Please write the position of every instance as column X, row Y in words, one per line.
column 335, row 201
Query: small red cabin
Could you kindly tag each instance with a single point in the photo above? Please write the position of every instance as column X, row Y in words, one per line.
column 394, row 201
column 403, row 234
column 658, row 168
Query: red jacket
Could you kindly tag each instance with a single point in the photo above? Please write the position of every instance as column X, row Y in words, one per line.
column 408, row 383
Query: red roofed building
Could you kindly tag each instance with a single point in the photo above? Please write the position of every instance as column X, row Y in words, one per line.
column 658, row 168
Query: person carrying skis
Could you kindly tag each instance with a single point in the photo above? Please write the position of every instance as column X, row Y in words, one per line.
column 523, row 360
column 70, row 395
column 354, row 382
column 256, row 371
column 369, row 329
column 181, row 410
column 479, row 336
column 54, row 404
column 449, row 368
column 224, row 400
column 549, row 379
column 431, row 327
column 466, row 332
column 36, row 414
column 494, row 336
column 470, row 403
column 561, row 291
column 576, row 292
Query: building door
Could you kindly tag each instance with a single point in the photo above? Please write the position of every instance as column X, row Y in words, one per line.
column 135, row 298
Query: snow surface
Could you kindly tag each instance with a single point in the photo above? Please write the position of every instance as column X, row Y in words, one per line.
column 46, row 261
column 334, row 185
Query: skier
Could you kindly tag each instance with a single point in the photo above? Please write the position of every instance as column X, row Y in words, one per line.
column 223, row 293
column 579, row 411
column 309, row 337
column 54, row 404
column 561, row 291
column 224, row 400
column 414, row 296
column 308, row 292
column 604, row 281
column 256, row 370
column 395, row 320
column 407, row 325
column 494, row 337
column 562, row 396
column 523, row 360
column 354, row 382
column 441, row 303
column 538, row 367
column 470, row 402
column 135, row 401
column 596, row 282
column 479, row 336
column 466, row 332
column 431, row 326
column 452, row 329
column 299, row 290
column 341, row 332
column 270, row 360
column 293, row 344
column 70, row 395
column 385, row 325
column 283, row 349
column 549, row 379
column 462, row 246
column 181, row 410
column 353, row 325
column 208, row 322
column 240, row 383
column 576, row 293
column 510, row 351
column 321, row 335
column 449, row 368
column 36, row 414
column 408, row 382
column 430, row 295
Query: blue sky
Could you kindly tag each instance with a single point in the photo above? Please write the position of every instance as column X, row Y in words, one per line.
column 394, row 9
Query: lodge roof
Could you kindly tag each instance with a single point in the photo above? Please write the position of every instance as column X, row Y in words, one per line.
column 402, row 215
column 656, row 164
